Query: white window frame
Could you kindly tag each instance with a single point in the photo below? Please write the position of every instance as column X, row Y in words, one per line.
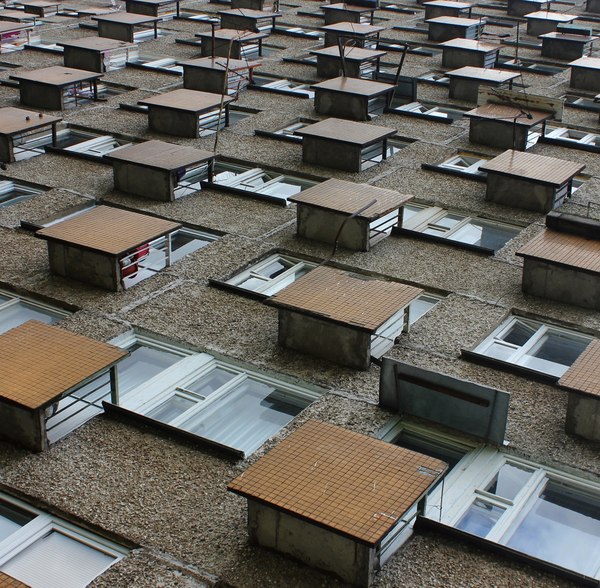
column 429, row 216
column 562, row 134
column 43, row 524
column 471, row 164
column 8, row 186
column 519, row 352
column 15, row 299
column 176, row 379
column 467, row 482
column 245, row 174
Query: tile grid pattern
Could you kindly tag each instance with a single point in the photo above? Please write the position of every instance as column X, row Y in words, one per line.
column 349, row 482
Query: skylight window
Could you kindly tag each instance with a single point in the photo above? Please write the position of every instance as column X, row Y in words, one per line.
column 44, row 551
column 440, row 223
column 13, row 192
column 283, row 86
column 15, row 310
column 531, row 344
column 222, row 402
column 266, row 184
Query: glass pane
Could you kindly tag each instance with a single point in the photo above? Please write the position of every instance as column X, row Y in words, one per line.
column 143, row 364
column 562, row 527
column 57, row 561
column 498, row 350
column 4, row 298
column 212, row 381
column 286, row 188
column 12, row 519
column 483, row 234
column 171, row 408
column 251, row 283
column 246, row 417
column 431, row 230
column 480, row 518
column 448, row 221
column 21, row 312
column 276, row 267
column 509, row 480
column 559, row 347
column 420, row 306
column 411, row 210
column 429, row 447
column 519, row 333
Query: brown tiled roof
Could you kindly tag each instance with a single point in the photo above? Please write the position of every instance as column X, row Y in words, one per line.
column 529, row 166
column 346, row 131
column 509, row 114
column 348, row 197
column 584, row 375
column 344, row 298
column 356, row 29
column 564, row 249
column 356, row 86
column 14, row 120
column 347, row 482
column 470, row 45
column 483, row 74
column 160, row 155
column 7, row 581
column 188, row 100
column 95, row 43
column 109, row 230
column 126, row 18
column 39, row 362
column 56, row 75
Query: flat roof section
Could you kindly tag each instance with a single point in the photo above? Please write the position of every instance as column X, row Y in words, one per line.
column 187, row 100
column 529, row 166
column 352, row 28
column 587, row 62
column 509, row 114
column 455, row 21
column 346, row 131
column 551, row 16
column 57, row 75
column 348, row 197
column 584, row 376
column 449, row 4
column 9, row 27
column 232, row 35
column 95, row 43
column 470, row 45
column 341, row 297
column 108, row 230
column 355, row 86
column 130, row 18
column 347, row 482
column 160, row 155
column 219, row 63
column 483, row 74
column 39, row 363
column 18, row 120
column 348, row 7
column 249, row 13
column 564, row 249
column 350, row 53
